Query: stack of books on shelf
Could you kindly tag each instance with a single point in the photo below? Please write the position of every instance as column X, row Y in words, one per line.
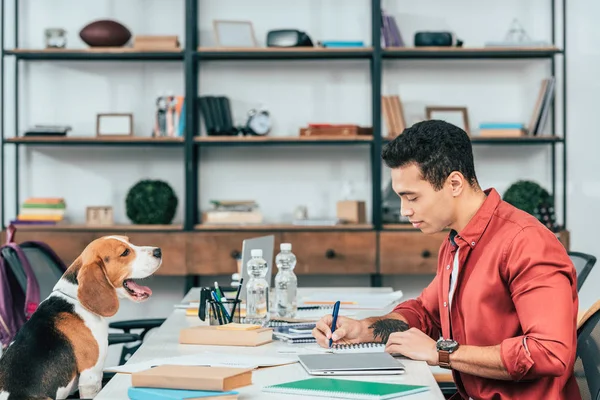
column 233, row 212
column 390, row 34
column 41, row 211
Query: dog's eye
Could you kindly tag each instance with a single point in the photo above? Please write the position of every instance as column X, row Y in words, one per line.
column 125, row 253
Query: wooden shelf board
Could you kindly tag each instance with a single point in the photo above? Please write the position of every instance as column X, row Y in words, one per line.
column 283, row 227
column 284, row 49
column 93, row 50
column 108, row 228
column 470, row 52
column 281, row 139
column 94, row 140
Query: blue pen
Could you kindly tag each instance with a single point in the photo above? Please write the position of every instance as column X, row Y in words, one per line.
column 336, row 310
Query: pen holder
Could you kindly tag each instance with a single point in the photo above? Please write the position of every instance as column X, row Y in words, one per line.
column 216, row 316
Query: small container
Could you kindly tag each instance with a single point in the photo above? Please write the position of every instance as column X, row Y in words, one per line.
column 216, row 315
column 56, row 38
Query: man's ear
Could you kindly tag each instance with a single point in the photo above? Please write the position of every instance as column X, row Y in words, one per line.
column 457, row 182
column 95, row 292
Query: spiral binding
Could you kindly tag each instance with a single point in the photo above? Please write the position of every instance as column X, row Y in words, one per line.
column 358, row 346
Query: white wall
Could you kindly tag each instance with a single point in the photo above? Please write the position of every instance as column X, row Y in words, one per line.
column 297, row 93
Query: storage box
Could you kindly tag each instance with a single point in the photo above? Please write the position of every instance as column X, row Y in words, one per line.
column 352, row 211
column 216, row 336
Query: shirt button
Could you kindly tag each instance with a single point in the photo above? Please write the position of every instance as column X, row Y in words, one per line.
column 472, row 243
column 447, row 266
column 444, row 304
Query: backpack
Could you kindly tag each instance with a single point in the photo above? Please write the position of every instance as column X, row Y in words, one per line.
column 19, row 286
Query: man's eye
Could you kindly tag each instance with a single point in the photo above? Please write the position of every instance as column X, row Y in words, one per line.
column 413, row 199
column 125, row 253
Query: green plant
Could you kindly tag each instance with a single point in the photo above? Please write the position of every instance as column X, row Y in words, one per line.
column 533, row 199
column 151, row 202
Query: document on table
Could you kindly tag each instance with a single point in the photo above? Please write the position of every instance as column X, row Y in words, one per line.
column 208, row 359
column 352, row 301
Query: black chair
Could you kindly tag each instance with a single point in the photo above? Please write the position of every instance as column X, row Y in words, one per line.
column 583, row 265
column 587, row 363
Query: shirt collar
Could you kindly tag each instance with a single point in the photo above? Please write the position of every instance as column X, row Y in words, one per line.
column 473, row 231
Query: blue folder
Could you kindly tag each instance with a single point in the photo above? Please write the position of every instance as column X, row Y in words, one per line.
column 141, row 393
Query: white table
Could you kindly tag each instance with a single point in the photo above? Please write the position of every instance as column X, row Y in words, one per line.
column 165, row 343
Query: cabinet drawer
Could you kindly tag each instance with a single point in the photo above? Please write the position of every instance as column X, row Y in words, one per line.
column 214, row 253
column 333, row 252
column 409, row 252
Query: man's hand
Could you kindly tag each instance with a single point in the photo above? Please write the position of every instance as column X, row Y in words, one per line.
column 348, row 330
column 413, row 344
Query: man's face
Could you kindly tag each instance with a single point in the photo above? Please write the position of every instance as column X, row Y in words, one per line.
column 429, row 210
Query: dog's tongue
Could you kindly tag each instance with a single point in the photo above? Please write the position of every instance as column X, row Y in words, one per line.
column 131, row 284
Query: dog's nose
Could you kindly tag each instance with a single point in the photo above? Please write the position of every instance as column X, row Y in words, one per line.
column 157, row 253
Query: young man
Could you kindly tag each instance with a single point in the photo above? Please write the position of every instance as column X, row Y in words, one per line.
column 501, row 311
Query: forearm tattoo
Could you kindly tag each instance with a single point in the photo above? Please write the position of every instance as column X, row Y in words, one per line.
column 383, row 328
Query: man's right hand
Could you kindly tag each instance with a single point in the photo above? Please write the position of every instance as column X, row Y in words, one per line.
column 347, row 331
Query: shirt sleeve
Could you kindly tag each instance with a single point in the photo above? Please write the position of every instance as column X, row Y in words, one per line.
column 541, row 280
column 423, row 312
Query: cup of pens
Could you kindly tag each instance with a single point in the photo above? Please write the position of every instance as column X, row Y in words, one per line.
column 224, row 312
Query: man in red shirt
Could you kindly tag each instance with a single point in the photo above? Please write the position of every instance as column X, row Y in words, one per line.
column 501, row 311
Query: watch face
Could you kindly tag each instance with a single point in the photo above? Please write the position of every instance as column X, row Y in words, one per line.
column 446, row 345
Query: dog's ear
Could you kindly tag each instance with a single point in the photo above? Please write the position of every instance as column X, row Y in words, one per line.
column 95, row 292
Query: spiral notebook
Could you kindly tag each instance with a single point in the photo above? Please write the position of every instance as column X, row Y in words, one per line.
column 358, row 348
column 346, row 389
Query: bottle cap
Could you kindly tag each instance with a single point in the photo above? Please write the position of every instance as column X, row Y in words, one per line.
column 286, row 246
column 256, row 253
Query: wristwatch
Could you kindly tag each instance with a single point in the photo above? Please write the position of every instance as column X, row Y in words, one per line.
column 444, row 348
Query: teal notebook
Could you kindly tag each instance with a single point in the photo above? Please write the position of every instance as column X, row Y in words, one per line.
column 141, row 393
column 347, row 389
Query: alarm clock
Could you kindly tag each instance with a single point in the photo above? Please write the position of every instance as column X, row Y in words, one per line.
column 258, row 123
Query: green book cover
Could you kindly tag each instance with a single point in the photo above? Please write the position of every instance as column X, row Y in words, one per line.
column 348, row 389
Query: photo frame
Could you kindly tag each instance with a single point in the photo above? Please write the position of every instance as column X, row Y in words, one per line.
column 233, row 33
column 114, row 125
column 458, row 116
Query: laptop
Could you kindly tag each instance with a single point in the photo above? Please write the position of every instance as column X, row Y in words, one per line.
column 351, row 364
column 267, row 245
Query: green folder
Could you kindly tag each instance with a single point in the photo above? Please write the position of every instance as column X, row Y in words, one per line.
column 347, row 389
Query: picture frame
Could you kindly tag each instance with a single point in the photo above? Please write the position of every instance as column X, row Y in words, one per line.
column 114, row 124
column 234, row 34
column 458, row 116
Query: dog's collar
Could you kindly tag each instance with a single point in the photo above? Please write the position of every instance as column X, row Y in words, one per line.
column 65, row 294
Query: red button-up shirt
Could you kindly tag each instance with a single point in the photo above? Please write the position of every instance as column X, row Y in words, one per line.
column 516, row 287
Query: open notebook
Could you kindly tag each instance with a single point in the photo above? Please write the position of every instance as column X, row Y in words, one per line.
column 346, row 389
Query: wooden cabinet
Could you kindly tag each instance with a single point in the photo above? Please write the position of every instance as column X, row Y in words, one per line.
column 215, row 253
column 333, row 252
column 409, row 252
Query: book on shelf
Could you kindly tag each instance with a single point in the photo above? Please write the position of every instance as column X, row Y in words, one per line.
column 233, row 212
column 390, row 33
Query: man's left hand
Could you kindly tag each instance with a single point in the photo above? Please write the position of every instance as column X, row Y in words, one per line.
column 413, row 344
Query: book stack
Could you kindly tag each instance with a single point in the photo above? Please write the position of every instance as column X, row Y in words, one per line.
column 41, row 211
column 539, row 117
column 502, row 129
column 393, row 115
column 233, row 212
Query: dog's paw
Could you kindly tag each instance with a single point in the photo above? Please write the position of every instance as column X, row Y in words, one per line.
column 89, row 391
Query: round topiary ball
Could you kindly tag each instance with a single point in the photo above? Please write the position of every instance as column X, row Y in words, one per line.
column 151, row 202
column 527, row 196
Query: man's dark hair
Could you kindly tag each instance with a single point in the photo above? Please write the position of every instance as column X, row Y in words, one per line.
column 437, row 147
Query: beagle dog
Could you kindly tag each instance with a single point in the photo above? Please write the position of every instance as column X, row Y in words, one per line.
column 64, row 344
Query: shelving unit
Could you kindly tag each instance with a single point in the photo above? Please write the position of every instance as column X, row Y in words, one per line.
column 193, row 57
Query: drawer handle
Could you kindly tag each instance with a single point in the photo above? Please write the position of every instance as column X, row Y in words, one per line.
column 330, row 253
column 235, row 254
column 426, row 254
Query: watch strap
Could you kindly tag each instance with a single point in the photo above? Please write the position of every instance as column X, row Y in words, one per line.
column 444, row 359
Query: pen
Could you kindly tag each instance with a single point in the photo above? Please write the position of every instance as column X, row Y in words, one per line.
column 336, row 310
column 219, row 291
column 237, row 297
column 226, row 316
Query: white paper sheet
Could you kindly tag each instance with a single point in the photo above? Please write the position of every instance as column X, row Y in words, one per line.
column 359, row 300
column 206, row 359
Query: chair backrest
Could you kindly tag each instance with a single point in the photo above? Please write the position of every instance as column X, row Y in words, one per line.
column 583, row 265
column 587, row 363
column 28, row 273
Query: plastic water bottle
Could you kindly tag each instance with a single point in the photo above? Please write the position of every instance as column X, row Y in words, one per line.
column 286, row 282
column 257, row 290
